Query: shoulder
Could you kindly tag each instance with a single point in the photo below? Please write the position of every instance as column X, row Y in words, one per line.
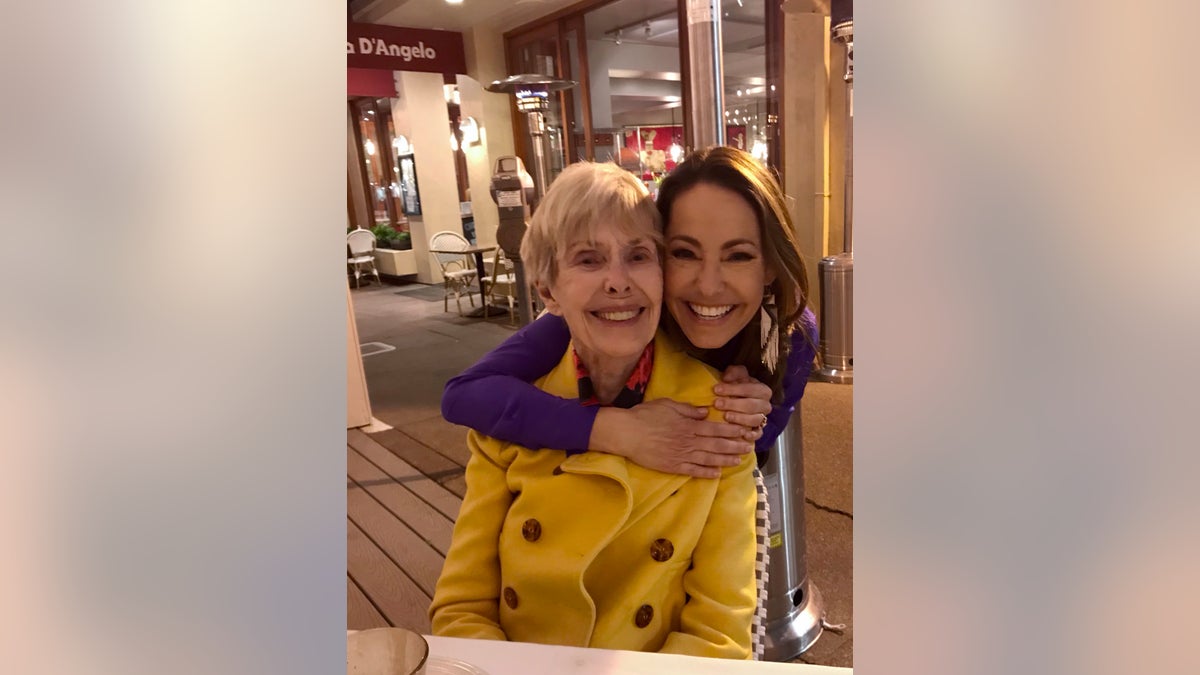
column 804, row 336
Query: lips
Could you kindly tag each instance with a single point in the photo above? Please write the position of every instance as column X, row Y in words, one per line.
column 710, row 312
column 619, row 314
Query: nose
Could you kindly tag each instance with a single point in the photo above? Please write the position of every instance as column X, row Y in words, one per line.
column 710, row 281
column 617, row 282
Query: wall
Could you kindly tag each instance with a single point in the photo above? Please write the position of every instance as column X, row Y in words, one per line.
column 485, row 64
column 419, row 112
column 805, row 117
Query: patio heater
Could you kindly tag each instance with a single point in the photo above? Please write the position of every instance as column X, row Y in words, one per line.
column 532, row 92
column 837, row 271
column 533, row 98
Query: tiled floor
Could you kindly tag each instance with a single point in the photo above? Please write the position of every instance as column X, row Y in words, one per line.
column 405, row 484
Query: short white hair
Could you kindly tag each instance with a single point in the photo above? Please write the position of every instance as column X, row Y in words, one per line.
column 583, row 196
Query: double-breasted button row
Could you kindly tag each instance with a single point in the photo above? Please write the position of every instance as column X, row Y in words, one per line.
column 643, row 617
column 662, row 550
column 510, row 597
column 531, row 530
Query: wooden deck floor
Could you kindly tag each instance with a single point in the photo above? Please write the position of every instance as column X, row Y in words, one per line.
column 401, row 502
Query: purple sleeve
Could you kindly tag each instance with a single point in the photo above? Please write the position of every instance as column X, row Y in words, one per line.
column 799, row 365
column 496, row 396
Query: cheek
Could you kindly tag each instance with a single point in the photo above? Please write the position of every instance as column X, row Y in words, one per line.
column 651, row 282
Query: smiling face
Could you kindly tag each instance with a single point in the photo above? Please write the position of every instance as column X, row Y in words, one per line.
column 608, row 287
column 714, row 270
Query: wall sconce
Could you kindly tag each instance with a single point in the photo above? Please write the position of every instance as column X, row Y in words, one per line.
column 470, row 131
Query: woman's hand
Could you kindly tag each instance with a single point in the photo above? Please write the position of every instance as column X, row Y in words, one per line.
column 669, row 436
column 745, row 400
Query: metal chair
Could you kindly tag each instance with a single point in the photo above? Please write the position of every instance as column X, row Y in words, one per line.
column 361, row 246
column 458, row 269
column 501, row 278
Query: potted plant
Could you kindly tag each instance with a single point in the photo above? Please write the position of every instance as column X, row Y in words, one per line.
column 403, row 241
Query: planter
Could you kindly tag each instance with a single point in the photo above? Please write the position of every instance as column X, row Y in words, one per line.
column 395, row 263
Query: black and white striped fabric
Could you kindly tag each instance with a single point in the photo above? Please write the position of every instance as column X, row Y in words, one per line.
column 762, row 522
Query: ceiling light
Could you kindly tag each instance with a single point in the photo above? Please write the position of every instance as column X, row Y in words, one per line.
column 739, row 92
column 618, row 36
column 370, row 112
column 459, row 2
column 772, row 87
column 647, row 30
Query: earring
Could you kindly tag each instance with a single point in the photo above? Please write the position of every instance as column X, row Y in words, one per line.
column 769, row 324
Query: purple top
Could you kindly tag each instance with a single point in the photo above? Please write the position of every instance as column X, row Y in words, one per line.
column 494, row 396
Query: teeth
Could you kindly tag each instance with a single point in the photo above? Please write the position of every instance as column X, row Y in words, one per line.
column 618, row 316
column 711, row 312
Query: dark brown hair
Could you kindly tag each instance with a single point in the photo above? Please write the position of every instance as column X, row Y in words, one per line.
column 738, row 171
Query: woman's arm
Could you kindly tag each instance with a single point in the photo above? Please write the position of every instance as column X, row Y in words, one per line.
column 716, row 619
column 745, row 399
column 497, row 398
column 466, row 602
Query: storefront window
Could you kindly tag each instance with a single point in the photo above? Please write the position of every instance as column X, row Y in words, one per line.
column 391, row 197
column 628, row 57
column 744, row 54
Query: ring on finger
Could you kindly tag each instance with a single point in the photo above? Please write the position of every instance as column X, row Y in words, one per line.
column 762, row 425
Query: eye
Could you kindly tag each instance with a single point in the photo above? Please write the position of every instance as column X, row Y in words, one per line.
column 586, row 259
column 681, row 253
column 741, row 256
column 641, row 254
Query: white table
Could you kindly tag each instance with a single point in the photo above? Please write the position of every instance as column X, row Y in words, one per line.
column 522, row 658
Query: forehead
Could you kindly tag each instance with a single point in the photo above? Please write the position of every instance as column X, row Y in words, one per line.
column 707, row 210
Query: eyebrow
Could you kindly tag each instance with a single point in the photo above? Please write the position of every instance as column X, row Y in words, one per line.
column 729, row 244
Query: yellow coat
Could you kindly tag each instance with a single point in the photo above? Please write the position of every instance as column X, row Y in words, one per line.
column 596, row 551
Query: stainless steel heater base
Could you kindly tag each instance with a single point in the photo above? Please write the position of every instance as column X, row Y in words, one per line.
column 792, row 635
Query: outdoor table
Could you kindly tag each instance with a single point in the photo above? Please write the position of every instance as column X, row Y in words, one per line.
column 494, row 657
column 478, row 251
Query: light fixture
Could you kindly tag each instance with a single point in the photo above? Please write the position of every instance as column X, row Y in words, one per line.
column 470, row 131
column 647, row 30
column 370, row 146
column 739, row 92
column 772, row 87
column 370, row 112
column 759, row 150
column 618, row 36
column 459, row 2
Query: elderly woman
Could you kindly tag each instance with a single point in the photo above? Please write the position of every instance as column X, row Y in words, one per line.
column 587, row 548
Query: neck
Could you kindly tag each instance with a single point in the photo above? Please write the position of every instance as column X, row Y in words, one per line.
column 608, row 375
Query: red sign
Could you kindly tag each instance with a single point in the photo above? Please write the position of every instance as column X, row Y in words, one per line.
column 370, row 45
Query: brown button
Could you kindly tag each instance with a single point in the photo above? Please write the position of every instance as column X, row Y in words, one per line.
column 644, row 614
column 531, row 530
column 510, row 597
column 662, row 550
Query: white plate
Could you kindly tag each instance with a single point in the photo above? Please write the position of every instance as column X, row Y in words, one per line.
column 440, row 665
